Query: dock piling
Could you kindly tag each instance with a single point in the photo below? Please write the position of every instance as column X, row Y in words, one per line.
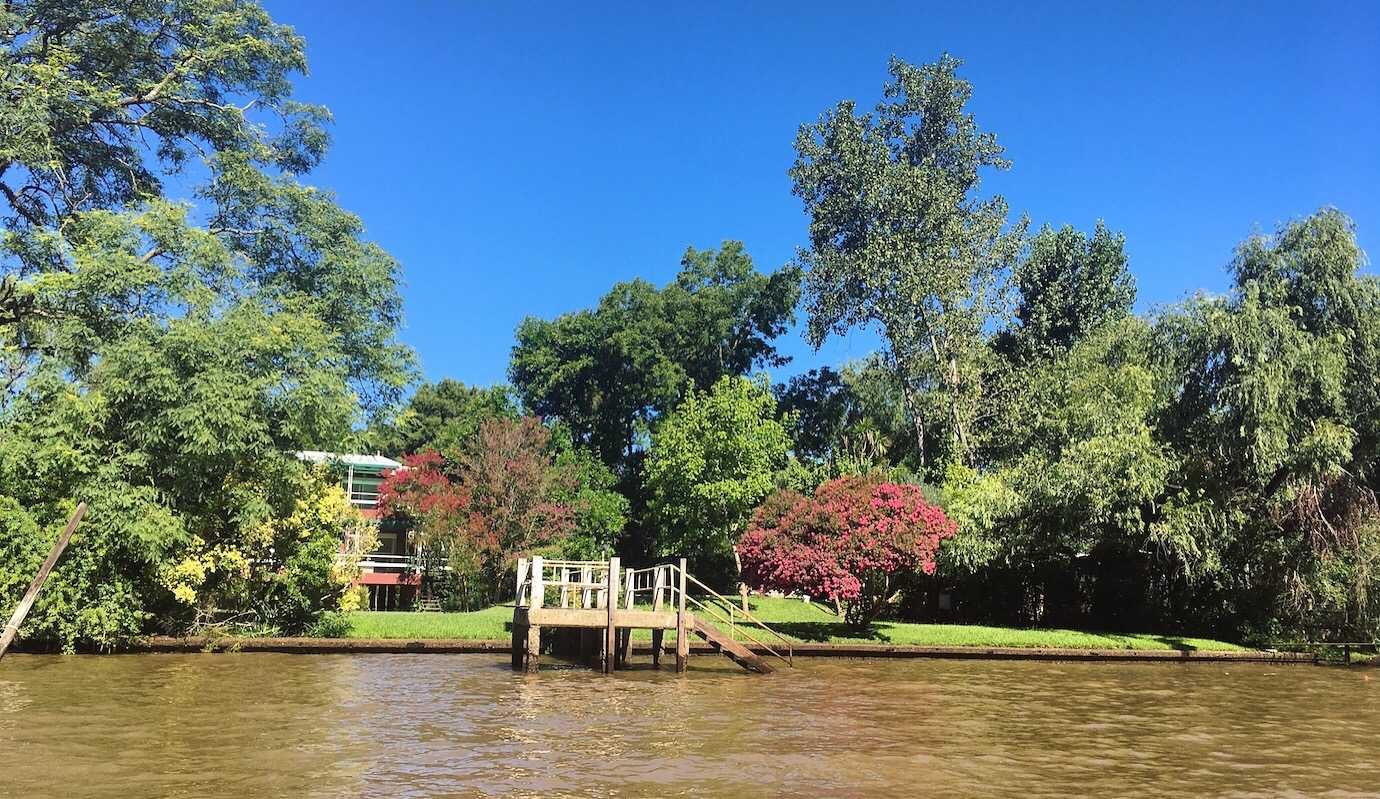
column 682, row 631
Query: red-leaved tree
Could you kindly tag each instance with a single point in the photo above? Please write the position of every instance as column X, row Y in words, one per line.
column 498, row 498
column 847, row 543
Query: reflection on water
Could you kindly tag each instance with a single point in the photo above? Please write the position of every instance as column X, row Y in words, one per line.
column 463, row 725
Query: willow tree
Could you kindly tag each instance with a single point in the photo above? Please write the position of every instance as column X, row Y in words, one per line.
column 178, row 312
column 900, row 238
column 1274, row 416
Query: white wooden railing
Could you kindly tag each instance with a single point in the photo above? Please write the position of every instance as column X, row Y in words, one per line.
column 590, row 584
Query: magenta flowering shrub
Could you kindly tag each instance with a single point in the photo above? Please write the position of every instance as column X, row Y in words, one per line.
column 847, row 543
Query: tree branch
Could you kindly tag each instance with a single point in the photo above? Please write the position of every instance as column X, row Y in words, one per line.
column 153, row 94
column 18, row 207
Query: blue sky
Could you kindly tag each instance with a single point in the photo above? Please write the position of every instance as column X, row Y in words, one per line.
column 519, row 159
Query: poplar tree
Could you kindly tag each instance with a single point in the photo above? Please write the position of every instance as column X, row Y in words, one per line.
column 900, row 238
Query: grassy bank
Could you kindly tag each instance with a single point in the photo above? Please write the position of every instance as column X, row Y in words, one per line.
column 802, row 622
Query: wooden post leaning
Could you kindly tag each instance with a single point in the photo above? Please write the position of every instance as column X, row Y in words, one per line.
column 532, row 651
column 12, row 628
column 682, row 634
column 611, row 634
column 519, row 631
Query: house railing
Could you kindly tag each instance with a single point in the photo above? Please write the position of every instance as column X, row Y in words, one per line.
column 376, row 561
column 365, row 496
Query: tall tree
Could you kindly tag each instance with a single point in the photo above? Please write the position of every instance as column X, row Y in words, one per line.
column 169, row 351
column 821, row 407
column 712, row 461
column 899, row 237
column 1067, row 285
column 441, row 416
column 112, row 100
column 608, row 372
column 1274, row 417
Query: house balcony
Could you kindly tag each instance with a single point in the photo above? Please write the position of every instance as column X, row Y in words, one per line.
column 377, row 568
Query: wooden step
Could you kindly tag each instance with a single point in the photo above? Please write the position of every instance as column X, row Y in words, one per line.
column 730, row 648
column 429, row 606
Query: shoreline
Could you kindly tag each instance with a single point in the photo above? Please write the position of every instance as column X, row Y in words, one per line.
column 452, row 646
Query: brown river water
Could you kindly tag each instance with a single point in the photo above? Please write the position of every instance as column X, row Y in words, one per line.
column 250, row 725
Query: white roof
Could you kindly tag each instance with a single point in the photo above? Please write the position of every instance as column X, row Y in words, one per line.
column 349, row 459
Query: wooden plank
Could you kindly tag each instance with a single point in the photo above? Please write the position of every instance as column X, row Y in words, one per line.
column 579, row 617
column 538, row 586
column 646, row 619
column 568, row 617
column 732, row 649
column 521, row 578
column 25, row 604
column 658, row 587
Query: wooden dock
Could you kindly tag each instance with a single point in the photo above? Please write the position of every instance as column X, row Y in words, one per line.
column 590, row 609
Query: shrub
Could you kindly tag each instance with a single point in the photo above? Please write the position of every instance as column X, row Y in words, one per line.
column 330, row 624
column 849, row 542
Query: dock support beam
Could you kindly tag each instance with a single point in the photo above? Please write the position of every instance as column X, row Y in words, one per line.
column 658, row 635
column 533, row 648
column 611, row 634
column 519, row 643
column 532, row 651
column 682, row 634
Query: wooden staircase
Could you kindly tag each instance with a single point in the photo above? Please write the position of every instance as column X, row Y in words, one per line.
column 730, row 648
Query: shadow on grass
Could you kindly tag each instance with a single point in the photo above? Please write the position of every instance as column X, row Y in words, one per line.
column 756, row 608
column 1175, row 642
column 1172, row 641
column 825, row 631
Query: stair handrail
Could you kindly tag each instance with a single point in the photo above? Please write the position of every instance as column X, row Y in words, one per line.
column 789, row 658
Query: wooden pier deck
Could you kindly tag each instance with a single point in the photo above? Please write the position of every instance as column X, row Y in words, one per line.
column 592, row 607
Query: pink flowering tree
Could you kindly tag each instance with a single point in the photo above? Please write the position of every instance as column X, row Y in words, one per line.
column 848, row 543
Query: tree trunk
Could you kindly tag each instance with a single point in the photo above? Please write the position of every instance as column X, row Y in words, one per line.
column 951, row 379
column 908, row 396
column 949, row 373
column 742, row 586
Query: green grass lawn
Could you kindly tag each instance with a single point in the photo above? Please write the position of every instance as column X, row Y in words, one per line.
column 481, row 625
column 797, row 621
